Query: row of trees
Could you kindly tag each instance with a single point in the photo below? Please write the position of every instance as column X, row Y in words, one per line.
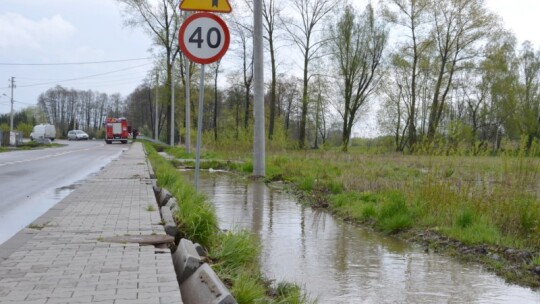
column 450, row 70
column 355, row 42
column 69, row 109
column 441, row 69
column 456, row 73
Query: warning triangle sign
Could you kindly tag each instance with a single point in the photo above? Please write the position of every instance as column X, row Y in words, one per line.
column 220, row 6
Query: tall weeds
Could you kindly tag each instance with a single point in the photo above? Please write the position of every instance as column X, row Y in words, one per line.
column 459, row 195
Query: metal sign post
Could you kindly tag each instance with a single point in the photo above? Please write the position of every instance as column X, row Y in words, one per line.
column 204, row 38
column 199, row 128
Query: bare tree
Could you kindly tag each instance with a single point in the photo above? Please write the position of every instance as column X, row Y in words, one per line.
column 243, row 35
column 458, row 26
column 74, row 109
column 393, row 116
column 304, row 34
column 161, row 20
column 216, row 71
column 319, row 95
column 287, row 96
column 412, row 16
column 358, row 44
column 530, row 92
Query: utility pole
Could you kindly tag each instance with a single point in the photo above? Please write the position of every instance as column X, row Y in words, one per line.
column 156, row 136
column 258, row 101
column 12, row 86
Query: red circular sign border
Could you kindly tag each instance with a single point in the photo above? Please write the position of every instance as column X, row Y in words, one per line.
column 193, row 57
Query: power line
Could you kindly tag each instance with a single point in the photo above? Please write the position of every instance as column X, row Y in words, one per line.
column 75, row 63
column 131, row 75
column 83, row 77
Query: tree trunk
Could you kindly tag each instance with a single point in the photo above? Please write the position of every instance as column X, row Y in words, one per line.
column 303, row 120
column 272, row 91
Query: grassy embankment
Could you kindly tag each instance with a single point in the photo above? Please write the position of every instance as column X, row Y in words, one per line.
column 483, row 208
column 234, row 255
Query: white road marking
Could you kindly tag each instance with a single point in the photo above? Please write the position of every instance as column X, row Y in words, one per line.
column 44, row 157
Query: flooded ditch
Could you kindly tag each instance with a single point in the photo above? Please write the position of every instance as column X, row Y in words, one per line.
column 337, row 262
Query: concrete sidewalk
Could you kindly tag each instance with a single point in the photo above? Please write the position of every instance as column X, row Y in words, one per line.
column 65, row 258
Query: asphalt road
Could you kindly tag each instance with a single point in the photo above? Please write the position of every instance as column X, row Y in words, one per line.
column 33, row 181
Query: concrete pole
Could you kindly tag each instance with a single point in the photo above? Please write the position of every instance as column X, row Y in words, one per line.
column 258, row 83
column 156, row 135
column 11, row 115
column 172, row 104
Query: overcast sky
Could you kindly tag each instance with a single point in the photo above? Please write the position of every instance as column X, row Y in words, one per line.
column 72, row 31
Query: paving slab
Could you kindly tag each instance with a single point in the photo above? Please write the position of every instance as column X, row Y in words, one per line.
column 66, row 259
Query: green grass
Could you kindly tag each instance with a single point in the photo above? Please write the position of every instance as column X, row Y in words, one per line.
column 196, row 219
column 234, row 254
column 536, row 260
column 246, row 290
column 37, row 226
column 150, row 208
column 290, row 294
column 478, row 232
column 388, row 211
column 235, row 251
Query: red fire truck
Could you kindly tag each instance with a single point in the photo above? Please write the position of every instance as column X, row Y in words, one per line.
column 116, row 129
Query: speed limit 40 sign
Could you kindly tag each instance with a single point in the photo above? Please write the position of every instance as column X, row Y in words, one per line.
column 204, row 38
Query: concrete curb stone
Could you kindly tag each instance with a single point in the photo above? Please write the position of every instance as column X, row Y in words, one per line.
column 170, row 224
column 186, row 260
column 164, row 196
column 204, row 286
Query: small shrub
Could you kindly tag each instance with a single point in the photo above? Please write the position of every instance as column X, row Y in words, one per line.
column 247, row 290
column 394, row 203
column 306, row 184
column 369, row 197
column 236, row 250
column 290, row 293
column 478, row 232
column 247, row 167
column 396, row 223
column 368, row 212
column 536, row 260
column 394, row 215
column 335, row 187
column 339, row 200
column 465, row 219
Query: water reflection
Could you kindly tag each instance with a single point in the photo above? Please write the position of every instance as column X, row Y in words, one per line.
column 22, row 214
column 337, row 262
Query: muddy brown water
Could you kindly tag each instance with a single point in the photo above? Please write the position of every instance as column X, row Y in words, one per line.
column 337, row 262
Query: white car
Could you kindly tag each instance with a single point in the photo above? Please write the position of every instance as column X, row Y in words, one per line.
column 77, row 135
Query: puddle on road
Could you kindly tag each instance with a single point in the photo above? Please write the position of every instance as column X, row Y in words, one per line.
column 26, row 212
column 23, row 213
column 337, row 262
